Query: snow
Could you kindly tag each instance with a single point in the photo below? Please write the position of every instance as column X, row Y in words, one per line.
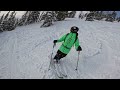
column 24, row 51
column 80, row 12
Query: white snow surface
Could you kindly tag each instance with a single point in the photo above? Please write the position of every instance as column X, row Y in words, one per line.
column 80, row 12
column 24, row 51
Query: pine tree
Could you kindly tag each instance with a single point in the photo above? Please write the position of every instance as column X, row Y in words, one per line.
column 35, row 16
column 61, row 15
column 110, row 16
column 71, row 14
column 48, row 18
column 98, row 15
column 29, row 18
column 1, row 20
column 4, row 22
column 12, row 21
column 6, row 17
column 114, row 15
column 90, row 16
column 81, row 15
column 42, row 16
column 23, row 20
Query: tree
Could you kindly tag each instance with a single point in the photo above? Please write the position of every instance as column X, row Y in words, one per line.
column 1, row 20
column 42, row 16
column 82, row 15
column 48, row 18
column 23, row 20
column 33, row 17
column 90, row 16
column 114, row 15
column 6, row 17
column 72, row 14
column 98, row 15
column 61, row 15
column 12, row 21
column 29, row 18
column 111, row 16
column 8, row 22
column 36, row 16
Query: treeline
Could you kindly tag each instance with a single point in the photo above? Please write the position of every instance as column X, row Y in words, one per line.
column 9, row 22
column 100, row 15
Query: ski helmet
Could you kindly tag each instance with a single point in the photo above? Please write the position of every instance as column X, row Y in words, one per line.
column 74, row 29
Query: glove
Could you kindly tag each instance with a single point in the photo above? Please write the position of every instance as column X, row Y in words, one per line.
column 55, row 41
column 79, row 49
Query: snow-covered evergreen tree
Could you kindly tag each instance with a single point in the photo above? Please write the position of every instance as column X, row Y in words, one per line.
column 33, row 17
column 111, row 16
column 52, row 16
column 42, row 16
column 81, row 15
column 23, row 19
column 71, row 14
column 114, row 15
column 6, row 16
column 61, row 15
column 4, row 22
column 7, row 23
column 12, row 21
column 48, row 18
column 98, row 15
column 29, row 18
column 1, row 20
column 90, row 16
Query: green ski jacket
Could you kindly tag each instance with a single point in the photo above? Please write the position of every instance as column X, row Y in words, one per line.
column 69, row 41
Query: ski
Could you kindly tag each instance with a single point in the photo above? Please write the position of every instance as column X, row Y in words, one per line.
column 55, row 68
column 57, row 73
column 63, row 75
column 58, row 70
column 59, row 76
column 61, row 71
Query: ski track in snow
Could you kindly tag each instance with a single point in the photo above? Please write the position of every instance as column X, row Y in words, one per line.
column 24, row 52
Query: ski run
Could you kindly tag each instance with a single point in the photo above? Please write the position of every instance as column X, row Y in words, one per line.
column 25, row 51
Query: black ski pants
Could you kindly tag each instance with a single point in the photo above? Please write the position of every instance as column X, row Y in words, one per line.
column 59, row 55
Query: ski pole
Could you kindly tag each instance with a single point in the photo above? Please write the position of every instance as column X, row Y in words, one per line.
column 77, row 61
column 51, row 56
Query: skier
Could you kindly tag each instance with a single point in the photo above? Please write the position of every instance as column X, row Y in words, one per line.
column 70, row 40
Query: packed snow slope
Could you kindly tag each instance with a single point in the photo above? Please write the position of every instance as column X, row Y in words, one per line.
column 25, row 51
